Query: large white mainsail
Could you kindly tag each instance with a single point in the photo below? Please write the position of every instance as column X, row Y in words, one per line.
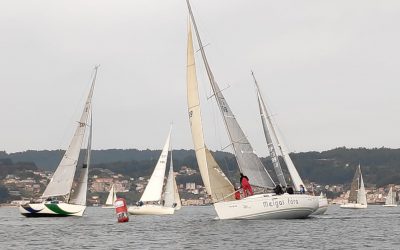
column 275, row 144
column 216, row 183
column 247, row 160
column 153, row 189
column 61, row 182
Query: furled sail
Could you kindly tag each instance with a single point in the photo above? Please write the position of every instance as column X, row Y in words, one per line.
column 247, row 160
column 153, row 189
column 215, row 181
column 62, row 179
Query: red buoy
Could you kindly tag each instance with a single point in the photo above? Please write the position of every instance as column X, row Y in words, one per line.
column 121, row 209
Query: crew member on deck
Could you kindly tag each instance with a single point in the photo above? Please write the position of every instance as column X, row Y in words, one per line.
column 244, row 181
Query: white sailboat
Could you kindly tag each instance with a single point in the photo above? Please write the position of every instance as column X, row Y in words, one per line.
column 112, row 196
column 151, row 202
column 391, row 199
column 277, row 148
column 218, row 186
column 358, row 196
column 63, row 197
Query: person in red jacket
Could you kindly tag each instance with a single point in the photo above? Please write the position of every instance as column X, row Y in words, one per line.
column 244, row 181
column 237, row 194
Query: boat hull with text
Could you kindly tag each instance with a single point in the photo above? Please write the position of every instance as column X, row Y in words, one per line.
column 268, row 206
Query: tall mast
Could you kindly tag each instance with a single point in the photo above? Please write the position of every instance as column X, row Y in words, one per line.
column 248, row 161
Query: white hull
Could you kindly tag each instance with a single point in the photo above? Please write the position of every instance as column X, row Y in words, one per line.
column 268, row 206
column 150, row 210
column 353, row 206
column 322, row 206
column 392, row 205
column 51, row 209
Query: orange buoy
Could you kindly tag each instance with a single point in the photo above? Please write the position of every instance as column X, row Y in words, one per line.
column 121, row 210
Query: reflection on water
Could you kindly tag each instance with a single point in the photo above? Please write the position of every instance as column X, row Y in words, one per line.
column 196, row 228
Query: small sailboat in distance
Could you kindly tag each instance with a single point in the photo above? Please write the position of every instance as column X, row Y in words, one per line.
column 358, row 196
column 152, row 202
column 63, row 196
column 391, row 199
column 112, row 196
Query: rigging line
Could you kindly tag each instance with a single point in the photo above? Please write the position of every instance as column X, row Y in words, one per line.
column 215, row 93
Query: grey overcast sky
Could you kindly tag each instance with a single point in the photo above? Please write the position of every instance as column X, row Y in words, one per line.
column 329, row 70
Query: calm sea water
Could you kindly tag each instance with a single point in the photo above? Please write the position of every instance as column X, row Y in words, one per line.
column 195, row 228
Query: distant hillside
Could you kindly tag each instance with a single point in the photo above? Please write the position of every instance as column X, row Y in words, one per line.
column 380, row 166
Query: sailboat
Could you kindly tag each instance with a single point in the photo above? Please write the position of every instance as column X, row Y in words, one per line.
column 358, row 196
column 391, row 199
column 277, row 148
column 153, row 202
column 218, row 186
column 63, row 196
column 112, row 196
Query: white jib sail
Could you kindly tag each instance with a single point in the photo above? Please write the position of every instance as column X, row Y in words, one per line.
column 361, row 195
column 111, row 196
column 169, row 194
column 247, row 160
column 62, row 179
column 215, row 181
column 176, row 196
column 391, row 197
column 153, row 189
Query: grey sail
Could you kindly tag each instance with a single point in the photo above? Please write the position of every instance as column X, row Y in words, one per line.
column 61, row 182
column 267, row 126
column 79, row 195
column 247, row 160
column 355, row 185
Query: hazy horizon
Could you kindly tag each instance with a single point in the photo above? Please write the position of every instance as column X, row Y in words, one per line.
column 329, row 71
